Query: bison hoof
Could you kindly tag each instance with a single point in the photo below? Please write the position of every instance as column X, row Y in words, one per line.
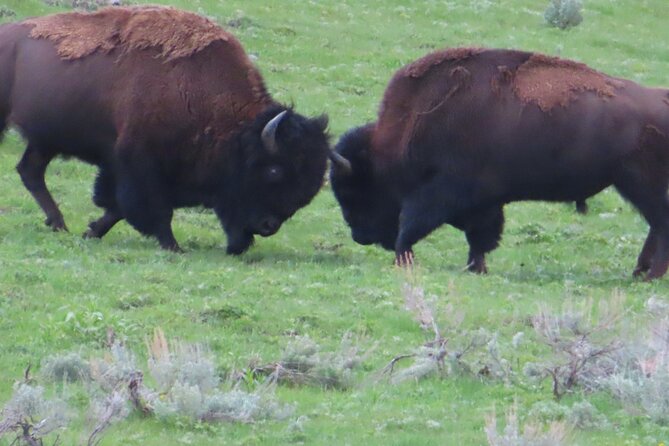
column 405, row 259
column 91, row 232
column 639, row 271
column 56, row 224
column 173, row 247
column 477, row 268
column 656, row 272
column 236, row 250
column 238, row 246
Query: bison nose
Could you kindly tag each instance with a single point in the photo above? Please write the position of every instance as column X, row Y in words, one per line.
column 269, row 226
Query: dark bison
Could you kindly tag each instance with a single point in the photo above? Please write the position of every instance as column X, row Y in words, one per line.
column 172, row 111
column 462, row 132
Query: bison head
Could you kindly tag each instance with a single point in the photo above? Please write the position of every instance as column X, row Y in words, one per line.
column 368, row 206
column 279, row 168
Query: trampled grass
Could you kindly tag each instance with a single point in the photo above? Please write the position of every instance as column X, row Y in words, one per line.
column 59, row 293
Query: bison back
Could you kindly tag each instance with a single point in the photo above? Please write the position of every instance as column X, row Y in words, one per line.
column 464, row 117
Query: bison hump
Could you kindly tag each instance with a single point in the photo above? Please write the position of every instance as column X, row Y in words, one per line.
column 549, row 81
column 175, row 33
column 422, row 66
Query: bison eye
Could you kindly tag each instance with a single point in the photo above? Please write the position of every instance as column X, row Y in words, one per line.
column 273, row 174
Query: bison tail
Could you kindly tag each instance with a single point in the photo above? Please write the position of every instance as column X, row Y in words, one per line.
column 9, row 34
column 4, row 118
column 3, row 127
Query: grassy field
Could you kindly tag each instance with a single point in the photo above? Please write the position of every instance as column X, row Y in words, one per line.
column 59, row 293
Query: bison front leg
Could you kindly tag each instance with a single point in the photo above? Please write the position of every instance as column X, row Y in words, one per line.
column 646, row 256
column 425, row 210
column 239, row 238
column 32, row 168
column 238, row 241
column 99, row 227
column 143, row 203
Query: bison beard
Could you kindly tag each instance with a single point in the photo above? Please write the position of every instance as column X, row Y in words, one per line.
column 462, row 132
column 172, row 111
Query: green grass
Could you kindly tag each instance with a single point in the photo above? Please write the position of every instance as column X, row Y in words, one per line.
column 59, row 293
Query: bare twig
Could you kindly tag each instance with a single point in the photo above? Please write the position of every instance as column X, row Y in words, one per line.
column 391, row 366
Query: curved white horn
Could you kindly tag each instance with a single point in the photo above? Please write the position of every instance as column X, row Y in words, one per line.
column 268, row 134
column 341, row 164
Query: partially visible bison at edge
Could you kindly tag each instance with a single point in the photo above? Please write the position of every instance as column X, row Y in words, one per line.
column 462, row 132
column 172, row 111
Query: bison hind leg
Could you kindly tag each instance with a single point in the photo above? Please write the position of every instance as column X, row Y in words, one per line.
column 643, row 180
column 32, row 168
column 654, row 256
column 581, row 207
column 483, row 230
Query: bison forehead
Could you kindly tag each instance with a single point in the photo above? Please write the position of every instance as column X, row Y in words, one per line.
column 174, row 32
column 550, row 81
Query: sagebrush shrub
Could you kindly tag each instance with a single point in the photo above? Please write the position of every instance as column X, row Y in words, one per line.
column 68, row 368
column 642, row 381
column 564, row 14
column 31, row 416
column 583, row 346
column 189, row 364
column 6, row 12
column 450, row 348
column 189, row 387
column 304, row 362
column 583, row 415
column 530, row 435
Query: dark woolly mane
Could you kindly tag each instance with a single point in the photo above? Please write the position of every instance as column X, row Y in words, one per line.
column 173, row 32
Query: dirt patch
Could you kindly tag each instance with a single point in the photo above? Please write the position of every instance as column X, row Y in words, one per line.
column 424, row 64
column 549, row 81
column 174, row 32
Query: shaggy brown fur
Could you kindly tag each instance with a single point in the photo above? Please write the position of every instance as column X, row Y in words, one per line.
column 422, row 66
column 174, row 32
column 549, row 81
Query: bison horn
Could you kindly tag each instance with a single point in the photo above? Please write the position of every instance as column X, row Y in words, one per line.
column 268, row 134
column 341, row 164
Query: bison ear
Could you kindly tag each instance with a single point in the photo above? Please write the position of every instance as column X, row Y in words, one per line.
column 340, row 164
column 268, row 135
column 321, row 122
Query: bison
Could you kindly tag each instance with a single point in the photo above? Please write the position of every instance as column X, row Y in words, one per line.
column 461, row 132
column 170, row 109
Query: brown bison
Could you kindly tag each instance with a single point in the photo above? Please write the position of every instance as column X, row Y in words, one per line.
column 172, row 111
column 462, row 132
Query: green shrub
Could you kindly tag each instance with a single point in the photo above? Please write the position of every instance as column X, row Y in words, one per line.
column 564, row 14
